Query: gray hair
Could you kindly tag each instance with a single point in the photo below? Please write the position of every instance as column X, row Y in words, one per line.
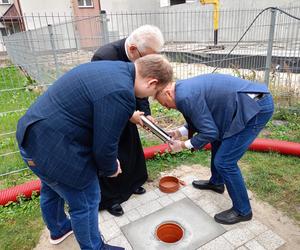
column 147, row 36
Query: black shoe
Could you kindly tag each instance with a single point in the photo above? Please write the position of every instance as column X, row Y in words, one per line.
column 229, row 217
column 200, row 184
column 115, row 210
column 109, row 247
column 139, row 190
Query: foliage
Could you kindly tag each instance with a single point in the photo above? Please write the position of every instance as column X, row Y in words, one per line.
column 20, row 224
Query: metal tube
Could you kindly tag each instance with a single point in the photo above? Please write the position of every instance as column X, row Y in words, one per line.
column 161, row 134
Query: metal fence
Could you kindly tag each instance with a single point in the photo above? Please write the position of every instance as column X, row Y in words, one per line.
column 51, row 45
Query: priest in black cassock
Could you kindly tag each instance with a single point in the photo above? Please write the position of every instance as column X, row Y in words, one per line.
column 145, row 40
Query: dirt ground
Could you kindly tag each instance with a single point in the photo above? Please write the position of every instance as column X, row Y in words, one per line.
column 266, row 214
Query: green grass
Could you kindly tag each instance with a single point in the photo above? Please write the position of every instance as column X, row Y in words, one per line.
column 20, row 225
column 275, row 179
column 14, row 100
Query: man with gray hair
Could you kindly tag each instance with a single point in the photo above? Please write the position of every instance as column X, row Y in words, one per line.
column 145, row 40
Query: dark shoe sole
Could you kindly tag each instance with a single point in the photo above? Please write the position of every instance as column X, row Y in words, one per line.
column 140, row 192
column 240, row 219
column 115, row 214
column 207, row 188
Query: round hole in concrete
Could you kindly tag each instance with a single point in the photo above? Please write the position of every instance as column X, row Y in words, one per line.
column 169, row 232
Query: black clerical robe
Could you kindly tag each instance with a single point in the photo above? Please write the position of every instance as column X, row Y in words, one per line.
column 130, row 152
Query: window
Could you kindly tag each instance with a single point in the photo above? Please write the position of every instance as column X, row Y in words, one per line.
column 4, row 2
column 85, row 3
column 174, row 2
column 3, row 31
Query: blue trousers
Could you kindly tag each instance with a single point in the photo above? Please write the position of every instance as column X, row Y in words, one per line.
column 227, row 152
column 83, row 209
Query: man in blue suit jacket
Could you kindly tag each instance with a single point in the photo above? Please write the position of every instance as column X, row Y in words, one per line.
column 72, row 131
column 228, row 112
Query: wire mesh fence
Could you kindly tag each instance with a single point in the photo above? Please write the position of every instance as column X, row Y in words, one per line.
column 52, row 45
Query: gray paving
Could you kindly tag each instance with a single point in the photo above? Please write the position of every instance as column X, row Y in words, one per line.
column 199, row 227
column 242, row 236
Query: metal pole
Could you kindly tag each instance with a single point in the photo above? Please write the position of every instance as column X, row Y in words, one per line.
column 53, row 49
column 270, row 46
column 103, row 28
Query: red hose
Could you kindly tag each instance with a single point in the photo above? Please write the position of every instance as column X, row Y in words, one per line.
column 26, row 189
column 264, row 145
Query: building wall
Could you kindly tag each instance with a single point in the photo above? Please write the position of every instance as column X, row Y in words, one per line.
column 3, row 9
column 87, row 24
column 113, row 6
column 195, row 23
column 121, row 22
column 231, row 4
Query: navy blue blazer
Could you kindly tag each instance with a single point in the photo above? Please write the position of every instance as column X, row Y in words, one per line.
column 216, row 106
column 72, row 130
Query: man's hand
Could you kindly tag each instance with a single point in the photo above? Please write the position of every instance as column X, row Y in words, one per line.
column 136, row 118
column 176, row 145
column 151, row 119
column 119, row 170
column 175, row 134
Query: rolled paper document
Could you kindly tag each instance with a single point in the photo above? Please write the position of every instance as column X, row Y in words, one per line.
column 160, row 133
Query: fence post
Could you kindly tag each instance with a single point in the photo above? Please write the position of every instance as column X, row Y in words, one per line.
column 50, row 29
column 104, row 38
column 35, row 57
column 270, row 46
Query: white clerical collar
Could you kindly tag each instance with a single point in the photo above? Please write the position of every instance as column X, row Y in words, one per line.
column 126, row 48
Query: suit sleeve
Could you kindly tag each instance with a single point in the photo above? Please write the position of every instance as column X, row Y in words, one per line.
column 200, row 115
column 111, row 113
column 142, row 104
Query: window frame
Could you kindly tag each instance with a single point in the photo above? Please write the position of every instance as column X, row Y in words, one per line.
column 85, row 6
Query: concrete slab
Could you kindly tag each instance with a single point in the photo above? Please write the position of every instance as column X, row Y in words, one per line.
column 199, row 227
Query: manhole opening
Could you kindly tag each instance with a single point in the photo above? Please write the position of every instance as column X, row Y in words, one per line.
column 169, row 232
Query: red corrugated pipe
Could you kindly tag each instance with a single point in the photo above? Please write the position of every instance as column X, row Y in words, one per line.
column 283, row 147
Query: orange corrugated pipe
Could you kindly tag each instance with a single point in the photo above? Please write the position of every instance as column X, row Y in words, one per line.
column 264, row 145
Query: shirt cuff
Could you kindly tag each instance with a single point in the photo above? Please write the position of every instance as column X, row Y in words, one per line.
column 188, row 144
column 183, row 131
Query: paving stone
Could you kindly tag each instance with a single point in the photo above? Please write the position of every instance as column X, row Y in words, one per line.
column 191, row 192
column 223, row 201
column 165, row 200
column 177, row 196
column 147, row 197
column 149, row 208
column 159, row 193
column 217, row 244
column 202, row 202
column 254, row 245
column 122, row 220
column 211, row 208
column 133, row 215
column 120, row 241
column 242, row 248
column 131, row 204
column 110, row 229
column 232, row 227
column 255, row 227
column 188, row 179
column 106, row 215
column 199, row 228
column 238, row 236
column 269, row 240
column 100, row 217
